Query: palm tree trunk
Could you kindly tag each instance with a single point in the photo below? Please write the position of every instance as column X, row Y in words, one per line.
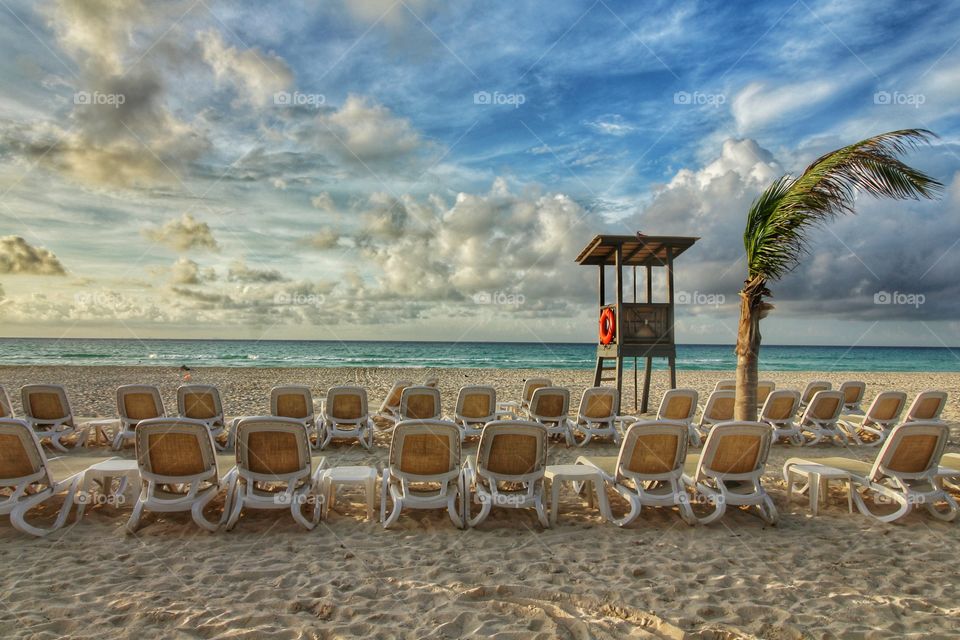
column 752, row 310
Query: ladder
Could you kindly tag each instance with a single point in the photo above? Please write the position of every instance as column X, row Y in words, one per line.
column 602, row 368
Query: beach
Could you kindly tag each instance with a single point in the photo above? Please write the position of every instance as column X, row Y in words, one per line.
column 838, row 575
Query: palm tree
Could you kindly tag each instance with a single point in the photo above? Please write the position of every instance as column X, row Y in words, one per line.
column 780, row 220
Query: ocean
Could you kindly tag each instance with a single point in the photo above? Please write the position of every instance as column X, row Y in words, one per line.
column 291, row 353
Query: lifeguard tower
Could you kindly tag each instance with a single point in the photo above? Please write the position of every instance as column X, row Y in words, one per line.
column 635, row 329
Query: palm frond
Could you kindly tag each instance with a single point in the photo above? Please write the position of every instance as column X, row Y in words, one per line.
column 778, row 221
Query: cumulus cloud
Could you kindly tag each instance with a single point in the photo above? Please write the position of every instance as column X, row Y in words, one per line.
column 323, row 202
column 184, row 234
column 326, row 238
column 256, row 75
column 239, row 271
column 186, row 271
column 17, row 256
column 365, row 131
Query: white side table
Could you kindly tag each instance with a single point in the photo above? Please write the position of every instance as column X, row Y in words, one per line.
column 365, row 477
column 818, row 479
column 99, row 428
column 104, row 473
column 556, row 474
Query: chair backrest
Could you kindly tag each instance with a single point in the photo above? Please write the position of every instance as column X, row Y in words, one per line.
column 171, row 449
column 271, row 447
column 780, row 406
column 291, row 401
column 513, row 450
column 719, row 407
column 812, row 388
column 927, row 406
column 346, row 403
column 136, row 402
column 679, row 405
column 727, row 384
column 476, row 404
column 530, row 385
column 6, row 409
column 21, row 457
column 853, row 391
column 764, row 389
column 46, row 402
column 392, row 401
column 599, row 404
column 550, row 404
column 425, row 450
column 886, row 407
column 735, row 450
column 825, row 407
column 653, row 450
column 912, row 450
column 432, row 382
column 199, row 402
column 420, row 403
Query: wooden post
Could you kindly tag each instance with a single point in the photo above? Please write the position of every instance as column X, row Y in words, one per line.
column 670, row 320
column 647, row 371
column 619, row 317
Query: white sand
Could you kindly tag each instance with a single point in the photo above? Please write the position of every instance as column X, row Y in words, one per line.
column 839, row 575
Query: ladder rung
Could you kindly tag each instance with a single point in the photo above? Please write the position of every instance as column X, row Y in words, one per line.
column 607, row 379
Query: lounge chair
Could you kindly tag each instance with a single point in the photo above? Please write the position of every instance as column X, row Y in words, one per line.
column 26, row 480
column 597, row 414
column 390, row 407
column 273, row 469
column 905, row 472
column 764, row 389
column 135, row 403
column 420, row 403
column 728, row 470
column 853, row 391
column 882, row 415
column 47, row 410
column 178, row 467
column 821, row 419
column 719, row 408
column 508, row 470
column 476, row 406
column 294, row 401
column 779, row 412
column 680, row 405
column 6, row 409
column 530, row 385
column 927, row 407
column 202, row 402
column 727, row 384
column 811, row 390
column 432, row 382
column 550, row 407
column 346, row 417
column 423, row 470
column 648, row 471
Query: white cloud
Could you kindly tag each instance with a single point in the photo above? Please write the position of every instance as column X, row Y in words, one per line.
column 186, row 271
column 323, row 202
column 368, row 131
column 256, row 75
column 17, row 256
column 184, row 234
column 758, row 105
column 611, row 125
column 240, row 272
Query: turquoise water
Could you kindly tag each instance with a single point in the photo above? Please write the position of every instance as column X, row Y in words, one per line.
column 276, row 353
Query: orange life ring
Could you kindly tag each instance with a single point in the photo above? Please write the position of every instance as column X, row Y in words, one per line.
column 608, row 326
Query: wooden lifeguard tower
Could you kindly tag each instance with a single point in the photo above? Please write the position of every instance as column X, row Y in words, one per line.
column 639, row 329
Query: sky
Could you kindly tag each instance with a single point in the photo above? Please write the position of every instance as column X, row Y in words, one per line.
column 426, row 170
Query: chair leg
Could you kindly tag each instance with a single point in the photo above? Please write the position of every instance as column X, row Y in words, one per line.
column 951, row 507
column 541, row 510
column 134, row 522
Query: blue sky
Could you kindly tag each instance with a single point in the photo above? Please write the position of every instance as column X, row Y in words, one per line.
column 380, row 168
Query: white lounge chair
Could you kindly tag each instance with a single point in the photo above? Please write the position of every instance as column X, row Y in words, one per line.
column 853, row 391
column 530, row 385
column 293, row 401
column 927, row 407
column 178, row 467
column 47, row 410
column 420, row 403
column 719, row 408
column 764, row 389
column 550, row 406
column 508, row 470
column 6, row 409
column 202, row 402
column 26, row 480
column 390, row 407
column 135, row 403
column 820, row 421
column 779, row 411
column 728, row 470
column 346, row 417
column 431, row 381
column 476, row 406
column 727, row 384
column 597, row 414
column 812, row 389
column 882, row 415
column 649, row 468
column 423, row 470
column 273, row 469
column 680, row 405
column 905, row 472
